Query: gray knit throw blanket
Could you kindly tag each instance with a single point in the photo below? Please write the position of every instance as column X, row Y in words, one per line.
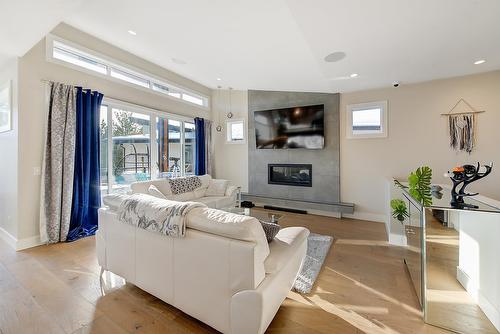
column 462, row 132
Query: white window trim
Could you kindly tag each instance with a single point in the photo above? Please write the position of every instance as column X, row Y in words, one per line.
column 368, row 105
column 110, row 62
column 236, row 142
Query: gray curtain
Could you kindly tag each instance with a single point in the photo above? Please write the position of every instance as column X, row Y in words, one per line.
column 58, row 164
column 208, row 146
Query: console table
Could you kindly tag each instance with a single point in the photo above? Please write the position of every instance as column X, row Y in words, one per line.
column 453, row 261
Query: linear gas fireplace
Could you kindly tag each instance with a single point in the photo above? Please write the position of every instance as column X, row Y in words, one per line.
column 290, row 174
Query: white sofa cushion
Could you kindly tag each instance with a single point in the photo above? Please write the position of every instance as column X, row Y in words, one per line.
column 142, row 187
column 189, row 196
column 230, row 225
column 216, row 202
column 217, row 187
column 200, row 192
column 113, row 201
column 283, row 247
column 154, row 191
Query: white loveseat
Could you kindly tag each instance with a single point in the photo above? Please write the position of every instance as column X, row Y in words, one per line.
column 198, row 195
column 223, row 272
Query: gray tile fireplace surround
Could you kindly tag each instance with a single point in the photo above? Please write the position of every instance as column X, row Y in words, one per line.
column 324, row 194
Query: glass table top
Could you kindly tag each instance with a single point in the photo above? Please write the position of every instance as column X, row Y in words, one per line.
column 264, row 216
column 442, row 200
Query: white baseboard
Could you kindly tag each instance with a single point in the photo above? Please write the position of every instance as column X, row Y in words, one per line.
column 491, row 312
column 19, row 244
column 325, row 213
column 374, row 217
column 8, row 238
column 397, row 239
column 28, row 242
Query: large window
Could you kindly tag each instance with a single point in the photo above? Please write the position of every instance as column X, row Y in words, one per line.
column 139, row 144
column 75, row 56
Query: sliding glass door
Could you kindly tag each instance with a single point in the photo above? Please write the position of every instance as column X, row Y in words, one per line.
column 131, row 148
column 139, row 144
column 175, row 147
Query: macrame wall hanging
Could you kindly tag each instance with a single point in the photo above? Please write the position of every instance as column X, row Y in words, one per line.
column 462, row 127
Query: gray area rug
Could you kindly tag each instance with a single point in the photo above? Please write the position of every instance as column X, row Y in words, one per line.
column 317, row 248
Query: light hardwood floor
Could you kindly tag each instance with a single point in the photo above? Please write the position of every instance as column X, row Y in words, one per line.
column 363, row 288
column 449, row 304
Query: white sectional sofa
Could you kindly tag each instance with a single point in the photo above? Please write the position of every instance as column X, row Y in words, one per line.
column 223, row 272
column 228, row 199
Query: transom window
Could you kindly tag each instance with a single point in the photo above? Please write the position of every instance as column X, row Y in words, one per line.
column 367, row 120
column 69, row 54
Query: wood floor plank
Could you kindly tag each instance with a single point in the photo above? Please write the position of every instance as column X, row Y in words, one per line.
column 61, row 303
column 19, row 313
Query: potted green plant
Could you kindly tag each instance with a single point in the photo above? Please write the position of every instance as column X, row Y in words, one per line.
column 399, row 210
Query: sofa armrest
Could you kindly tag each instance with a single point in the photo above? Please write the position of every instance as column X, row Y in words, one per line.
column 253, row 310
column 231, row 190
column 283, row 247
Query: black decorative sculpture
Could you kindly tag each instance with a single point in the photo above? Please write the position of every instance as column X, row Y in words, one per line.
column 465, row 175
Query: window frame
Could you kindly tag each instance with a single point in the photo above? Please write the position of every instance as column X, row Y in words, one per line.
column 111, row 104
column 123, row 67
column 229, row 122
column 350, row 108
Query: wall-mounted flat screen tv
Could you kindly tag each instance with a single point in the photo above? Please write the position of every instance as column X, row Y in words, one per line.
column 297, row 127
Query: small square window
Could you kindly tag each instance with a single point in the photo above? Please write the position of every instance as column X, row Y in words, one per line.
column 236, row 131
column 367, row 120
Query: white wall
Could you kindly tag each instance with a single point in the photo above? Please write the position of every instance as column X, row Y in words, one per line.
column 33, row 67
column 418, row 136
column 231, row 160
column 8, row 153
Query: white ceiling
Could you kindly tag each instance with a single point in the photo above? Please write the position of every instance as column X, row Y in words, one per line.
column 281, row 44
column 25, row 22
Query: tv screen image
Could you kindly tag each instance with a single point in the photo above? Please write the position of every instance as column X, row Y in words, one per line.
column 296, row 127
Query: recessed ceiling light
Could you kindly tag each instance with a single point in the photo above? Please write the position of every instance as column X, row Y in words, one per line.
column 179, row 61
column 131, row 32
column 479, row 62
column 335, row 56
column 354, row 75
column 219, row 79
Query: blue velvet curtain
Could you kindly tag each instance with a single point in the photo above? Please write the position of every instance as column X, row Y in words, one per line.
column 200, row 154
column 86, row 183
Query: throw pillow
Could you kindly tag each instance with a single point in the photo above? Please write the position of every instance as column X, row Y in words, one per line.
column 184, row 184
column 153, row 191
column 205, row 180
column 270, row 229
column 217, row 187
